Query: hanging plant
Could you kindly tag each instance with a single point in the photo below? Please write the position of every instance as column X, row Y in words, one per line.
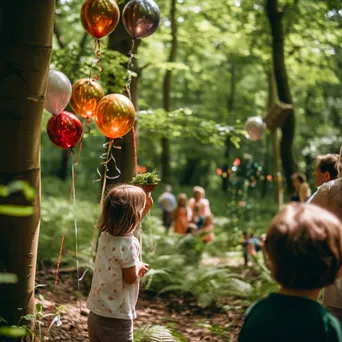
column 147, row 181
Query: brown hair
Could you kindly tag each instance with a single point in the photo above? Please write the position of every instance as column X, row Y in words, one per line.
column 180, row 197
column 328, row 163
column 300, row 176
column 304, row 246
column 122, row 210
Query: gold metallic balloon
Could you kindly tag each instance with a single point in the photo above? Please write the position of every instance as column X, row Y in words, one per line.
column 85, row 96
column 115, row 115
column 100, row 17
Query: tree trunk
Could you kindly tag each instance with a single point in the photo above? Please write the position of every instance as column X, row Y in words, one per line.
column 277, row 180
column 26, row 30
column 166, row 155
column 120, row 41
column 228, row 143
column 275, row 16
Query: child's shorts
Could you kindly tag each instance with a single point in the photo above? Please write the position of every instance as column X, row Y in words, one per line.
column 104, row 329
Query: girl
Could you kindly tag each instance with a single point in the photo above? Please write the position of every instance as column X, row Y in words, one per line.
column 182, row 215
column 115, row 286
column 207, row 229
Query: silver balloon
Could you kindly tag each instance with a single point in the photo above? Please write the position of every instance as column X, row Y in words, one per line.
column 141, row 18
column 58, row 92
column 255, row 128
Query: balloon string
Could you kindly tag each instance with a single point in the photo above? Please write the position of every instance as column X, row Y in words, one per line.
column 59, row 259
column 135, row 149
column 110, row 144
column 129, row 65
column 97, row 49
column 79, row 150
column 73, row 172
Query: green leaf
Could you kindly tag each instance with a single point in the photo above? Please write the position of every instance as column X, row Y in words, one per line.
column 14, row 332
column 16, row 210
column 8, row 278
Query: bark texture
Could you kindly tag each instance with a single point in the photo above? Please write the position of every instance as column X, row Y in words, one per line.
column 26, row 30
column 166, row 151
column 275, row 17
column 121, row 41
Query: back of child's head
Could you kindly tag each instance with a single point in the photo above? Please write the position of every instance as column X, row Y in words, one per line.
column 304, row 246
column 122, row 210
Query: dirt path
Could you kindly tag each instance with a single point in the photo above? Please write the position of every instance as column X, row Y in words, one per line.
column 194, row 323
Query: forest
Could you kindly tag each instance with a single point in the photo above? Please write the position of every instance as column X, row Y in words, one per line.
column 230, row 96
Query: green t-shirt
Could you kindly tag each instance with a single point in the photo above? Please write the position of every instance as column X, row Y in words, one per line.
column 283, row 318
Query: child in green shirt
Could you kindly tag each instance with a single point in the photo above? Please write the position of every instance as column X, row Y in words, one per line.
column 303, row 250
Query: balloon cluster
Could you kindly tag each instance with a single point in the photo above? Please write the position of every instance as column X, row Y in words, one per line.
column 255, row 128
column 100, row 17
column 114, row 114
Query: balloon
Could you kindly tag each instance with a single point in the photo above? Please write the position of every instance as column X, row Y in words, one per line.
column 141, row 18
column 58, row 92
column 115, row 115
column 255, row 128
column 85, row 96
column 100, row 17
column 64, row 130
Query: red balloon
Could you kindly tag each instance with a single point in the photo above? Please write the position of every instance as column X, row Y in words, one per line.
column 64, row 130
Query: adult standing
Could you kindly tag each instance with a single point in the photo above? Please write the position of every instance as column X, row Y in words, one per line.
column 329, row 196
column 167, row 203
column 198, row 204
column 326, row 168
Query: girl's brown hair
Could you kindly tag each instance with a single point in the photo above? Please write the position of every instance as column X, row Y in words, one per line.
column 304, row 246
column 122, row 210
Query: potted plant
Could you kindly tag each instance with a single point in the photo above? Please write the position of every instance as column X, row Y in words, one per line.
column 147, row 180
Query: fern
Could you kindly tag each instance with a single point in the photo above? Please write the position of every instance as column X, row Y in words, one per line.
column 154, row 333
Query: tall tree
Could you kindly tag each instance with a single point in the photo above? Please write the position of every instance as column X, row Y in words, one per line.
column 121, row 41
column 26, row 30
column 275, row 16
column 166, row 154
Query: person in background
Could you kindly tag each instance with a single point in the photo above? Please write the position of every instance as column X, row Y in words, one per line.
column 302, row 188
column 207, row 229
column 197, row 217
column 326, row 169
column 199, row 199
column 181, row 215
column 304, row 249
column 167, row 203
column 244, row 243
column 254, row 245
column 329, row 196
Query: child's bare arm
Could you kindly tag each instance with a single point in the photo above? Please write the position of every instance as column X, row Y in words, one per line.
column 131, row 274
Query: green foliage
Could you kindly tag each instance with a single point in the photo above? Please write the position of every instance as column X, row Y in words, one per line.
column 146, row 178
column 17, row 210
column 154, row 333
column 8, row 278
column 57, row 217
column 13, row 332
column 183, row 123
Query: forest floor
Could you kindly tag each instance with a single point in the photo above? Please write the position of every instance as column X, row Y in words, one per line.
column 180, row 314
